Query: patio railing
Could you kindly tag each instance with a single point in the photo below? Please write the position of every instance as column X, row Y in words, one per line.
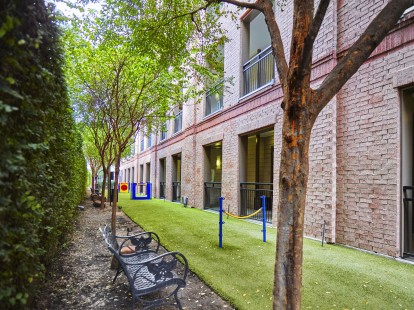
column 176, row 187
column 162, row 190
column 250, row 200
column 212, row 192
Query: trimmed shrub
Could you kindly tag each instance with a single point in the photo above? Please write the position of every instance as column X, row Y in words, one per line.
column 42, row 167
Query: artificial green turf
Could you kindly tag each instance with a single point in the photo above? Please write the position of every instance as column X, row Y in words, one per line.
column 334, row 277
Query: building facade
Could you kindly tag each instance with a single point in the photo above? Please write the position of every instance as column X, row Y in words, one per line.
column 361, row 152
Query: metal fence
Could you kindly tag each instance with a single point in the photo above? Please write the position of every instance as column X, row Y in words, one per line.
column 162, row 190
column 258, row 71
column 250, row 200
column 212, row 192
column 176, row 187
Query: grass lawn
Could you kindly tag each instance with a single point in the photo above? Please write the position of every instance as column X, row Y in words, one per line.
column 334, row 277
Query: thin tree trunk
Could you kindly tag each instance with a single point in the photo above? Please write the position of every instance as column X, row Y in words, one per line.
column 103, row 188
column 93, row 181
column 109, row 184
column 115, row 195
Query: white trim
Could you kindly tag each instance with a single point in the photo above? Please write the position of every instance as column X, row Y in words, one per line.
column 410, row 9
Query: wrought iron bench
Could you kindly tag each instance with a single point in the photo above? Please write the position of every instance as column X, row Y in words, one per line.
column 147, row 271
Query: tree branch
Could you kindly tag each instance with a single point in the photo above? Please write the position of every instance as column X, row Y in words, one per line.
column 314, row 30
column 277, row 44
column 360, row 51
column 247, row 5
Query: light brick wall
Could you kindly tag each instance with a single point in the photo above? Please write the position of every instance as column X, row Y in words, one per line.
column 354, row 166
column 369, row 156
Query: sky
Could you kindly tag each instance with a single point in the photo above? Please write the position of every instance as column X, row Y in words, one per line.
column 67, row 11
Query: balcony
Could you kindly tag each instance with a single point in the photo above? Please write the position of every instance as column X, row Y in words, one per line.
column 178, row 122
column 259, row 71
column 214, row 98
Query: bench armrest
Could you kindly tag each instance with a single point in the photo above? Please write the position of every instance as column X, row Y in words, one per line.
column 140, row 241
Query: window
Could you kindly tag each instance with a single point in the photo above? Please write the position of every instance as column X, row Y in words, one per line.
column 214, row 94
column 149, row 141
column 259, row 69
column 142, row 145
column 178, row 120
column 214, row 99
column 132, row 153
column 164, row 131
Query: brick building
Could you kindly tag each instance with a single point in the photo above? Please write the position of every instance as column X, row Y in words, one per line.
column 362, row 143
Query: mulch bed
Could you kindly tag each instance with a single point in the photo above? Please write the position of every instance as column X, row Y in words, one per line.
column 81, row 277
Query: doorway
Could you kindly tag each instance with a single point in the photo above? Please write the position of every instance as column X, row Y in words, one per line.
column 163, row 173
column 212, row 175
column 256, row 173
column 407, row 171
column 176, row 177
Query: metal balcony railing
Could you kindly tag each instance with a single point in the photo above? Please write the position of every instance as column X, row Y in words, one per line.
column 162, row 190
column 258, row 71
column 250, row 200
column 214, row 98
column 212, row 192
column 178, row 122
column 176, row 187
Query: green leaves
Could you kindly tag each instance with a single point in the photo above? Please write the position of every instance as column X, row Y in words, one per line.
column 42, row 169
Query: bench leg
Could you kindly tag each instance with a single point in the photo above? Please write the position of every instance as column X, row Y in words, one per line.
column 117, row 274
column 176, row 299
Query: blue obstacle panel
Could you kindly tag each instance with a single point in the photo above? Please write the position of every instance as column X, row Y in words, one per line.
column 133, row 192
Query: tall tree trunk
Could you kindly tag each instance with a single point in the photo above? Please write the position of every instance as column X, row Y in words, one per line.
column 94, row 171
column 103, row 187
column 115, row 196
column 294, row 165
column 293, row 180
column 93, row 182
column 109, row 183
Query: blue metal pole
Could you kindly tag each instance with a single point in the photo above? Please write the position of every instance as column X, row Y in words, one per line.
column 133, row 190
column 221, row 223
column 264, row 217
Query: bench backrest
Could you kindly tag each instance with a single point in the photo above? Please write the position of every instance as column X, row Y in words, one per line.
column 157, row 272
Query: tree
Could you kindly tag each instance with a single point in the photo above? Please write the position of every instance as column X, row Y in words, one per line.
column 301, row 106
column 92, row 156
column 86, row 93
column 118, row 86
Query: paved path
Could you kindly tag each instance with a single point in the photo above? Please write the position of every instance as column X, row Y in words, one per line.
column 81, row 277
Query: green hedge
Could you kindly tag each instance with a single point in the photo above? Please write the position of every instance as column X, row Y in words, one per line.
column 42, row 167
